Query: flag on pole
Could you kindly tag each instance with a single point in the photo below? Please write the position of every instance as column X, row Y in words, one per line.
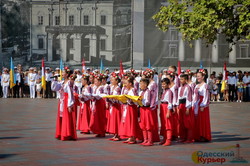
column 83, row 66
column 179, row 68
column 224, row 83
column 201, row 65
column 61, row 69
column 12, row 74
column 149, row 64
column 121, row 73
column 43, row 76
column 101, row 67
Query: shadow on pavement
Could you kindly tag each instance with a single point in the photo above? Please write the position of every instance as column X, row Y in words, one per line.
column 10, row 137
column 3, row 156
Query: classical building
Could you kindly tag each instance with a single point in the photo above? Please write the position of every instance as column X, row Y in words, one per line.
column 166, row 48
column 76, row 29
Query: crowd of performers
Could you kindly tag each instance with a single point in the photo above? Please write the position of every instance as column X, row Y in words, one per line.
column 90, row 108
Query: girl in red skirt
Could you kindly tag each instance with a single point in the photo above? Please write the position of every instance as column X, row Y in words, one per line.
column 147, row 115
column 174, row 88
column 129, row 126
column 85, row 109
column 98, row 119
column 66, row 117
column 115, row 113
column 166, row 109
column 201, row 108
column 153, row 88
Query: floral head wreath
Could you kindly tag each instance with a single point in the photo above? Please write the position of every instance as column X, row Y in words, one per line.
column 128, row 78
column 202, row 71
column 98, row 76
column 85, row 76
column 150, row 71
column 147, row 74
column 72, row 77
column 170, row 72
column 188, row 71
column 114, row 75
column 66, row 68
column 92, row 74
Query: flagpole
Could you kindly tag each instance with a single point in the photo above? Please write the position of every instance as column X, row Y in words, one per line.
column 132, row 34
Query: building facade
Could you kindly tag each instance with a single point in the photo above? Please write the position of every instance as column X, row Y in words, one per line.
column 74, row 30
column 167, row 48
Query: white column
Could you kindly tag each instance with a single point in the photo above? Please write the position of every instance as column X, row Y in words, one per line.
column 181, row 53
column 50, row 47
column 232, row 54
column 78, row 47
column 63, row 46
column 197, row 51
column 93, row 45
column 215, row 51
column 138, row 33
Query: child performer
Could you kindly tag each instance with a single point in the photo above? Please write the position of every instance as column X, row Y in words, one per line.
column 66, row 122
column 153, row 88
column 166, row 109
column 98, row 119
column 129, row 126
column 201, row 108
column 174, row 88
column 147, row 115
column 115, row 113
column 85, row 109
column 186, row 115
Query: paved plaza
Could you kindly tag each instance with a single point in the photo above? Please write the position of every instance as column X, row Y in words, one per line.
column 27, row 129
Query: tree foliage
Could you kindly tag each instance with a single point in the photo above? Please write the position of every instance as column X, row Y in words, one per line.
column 206, row 18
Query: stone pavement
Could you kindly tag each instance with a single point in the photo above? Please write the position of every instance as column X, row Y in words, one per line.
column 27, row 129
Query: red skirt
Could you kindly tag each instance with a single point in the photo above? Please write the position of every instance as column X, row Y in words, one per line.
column 156, row 136
column 166, row 123
column 204, row 123
column 98, row 120
column 129, row 126
column 175, row 125
column 84, row 117
column 68, row 128
column 58, row 123
column 114, row 119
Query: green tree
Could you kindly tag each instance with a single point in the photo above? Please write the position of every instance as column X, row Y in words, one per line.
column 205, row 19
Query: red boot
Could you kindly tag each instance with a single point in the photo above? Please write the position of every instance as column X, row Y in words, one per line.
column 150, row 139
column 169, row 137
column 190, row 137
column 145, row 137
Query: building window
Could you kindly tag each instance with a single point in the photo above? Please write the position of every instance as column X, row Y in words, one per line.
column 86, row 20
column 40, row 20
column 57, row 20
column 103, row 44
column 244, row 51
column 172, row 51
column 71, row 43
column 173, row 35
column 71, row 20
column 103, row 20
column 40, row 43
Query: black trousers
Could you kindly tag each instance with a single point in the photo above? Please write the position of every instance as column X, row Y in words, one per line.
column 16, row 89
column 231, row 92
column 1, row 91
column 48, row 92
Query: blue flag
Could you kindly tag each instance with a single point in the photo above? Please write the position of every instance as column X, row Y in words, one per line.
column 201, row 66
column 149, row 65
column 101, row 66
